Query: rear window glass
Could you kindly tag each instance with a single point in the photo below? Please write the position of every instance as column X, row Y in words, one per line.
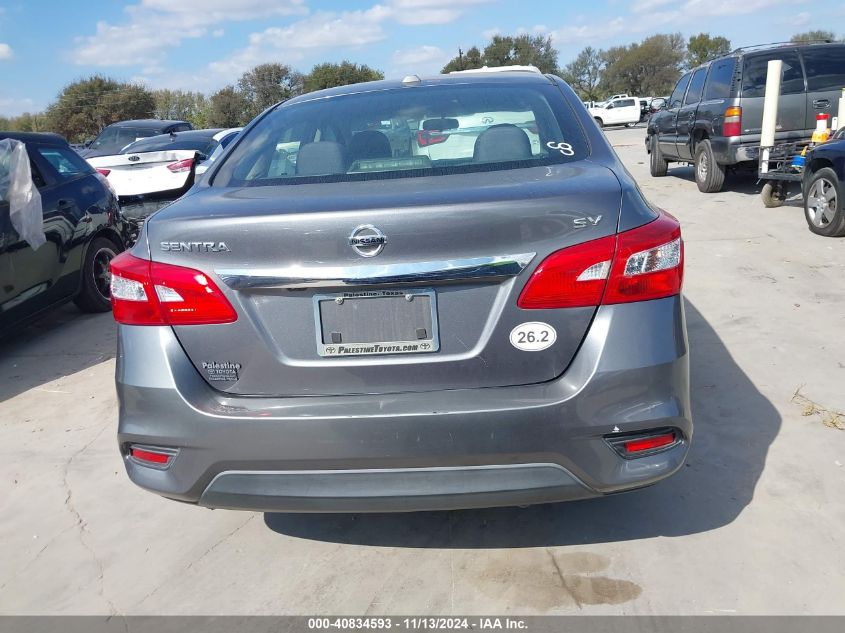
column 756, row 67
column 720, row 79
column 825, row 67
column 202, row 145
column 424, row 131
column 66, row 162
column 113, row 139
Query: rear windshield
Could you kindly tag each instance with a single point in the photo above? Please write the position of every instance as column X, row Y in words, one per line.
column 112, row 139
column 407, row 132
column 202, row 145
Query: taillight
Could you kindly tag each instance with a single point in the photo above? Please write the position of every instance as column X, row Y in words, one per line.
column 649, row 262
column 182, row 165
column 104, row 172
column 152, row 293
column 637, row 265
column 733, row 122
column 571, row 278
column 431, row 137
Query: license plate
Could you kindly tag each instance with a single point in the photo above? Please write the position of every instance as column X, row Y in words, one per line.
column 375, row 322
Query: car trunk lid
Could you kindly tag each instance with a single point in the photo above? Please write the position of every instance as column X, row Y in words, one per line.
column 458, row 251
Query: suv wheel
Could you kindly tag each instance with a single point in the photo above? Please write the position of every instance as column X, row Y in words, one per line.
column 709, row 175
column 824, row 207
column 599, row 122
column 657, row 164
column 95, row 295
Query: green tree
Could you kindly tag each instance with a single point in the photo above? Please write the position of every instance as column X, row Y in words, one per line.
column 650, row 67
column 266, row 85
column 533, row 50
column 86, row 106
column 330, row 75
column 465, row 61
column 226, row 108
column 506, row 50
column 811, row 36
column 703, row 47
column 178, row 104
column 584, row 73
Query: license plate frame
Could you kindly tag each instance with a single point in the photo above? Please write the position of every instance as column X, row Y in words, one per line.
column 426, row 345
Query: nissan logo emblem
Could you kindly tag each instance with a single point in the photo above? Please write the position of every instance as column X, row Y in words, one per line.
column 367, row 240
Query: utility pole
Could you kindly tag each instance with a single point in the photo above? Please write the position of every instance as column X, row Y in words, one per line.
column 460, row 58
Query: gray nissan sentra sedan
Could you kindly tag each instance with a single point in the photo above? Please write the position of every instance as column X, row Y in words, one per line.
column 406, row 295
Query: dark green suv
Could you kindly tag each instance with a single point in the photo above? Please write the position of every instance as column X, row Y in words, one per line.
column 714, row 116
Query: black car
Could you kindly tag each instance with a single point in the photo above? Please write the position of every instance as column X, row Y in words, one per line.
column 83, row 231
column 116, row 136
column 715, row 114
column 202, row 141
column 824, row 187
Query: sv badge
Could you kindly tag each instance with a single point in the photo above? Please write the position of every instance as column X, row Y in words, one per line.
column 583, row 223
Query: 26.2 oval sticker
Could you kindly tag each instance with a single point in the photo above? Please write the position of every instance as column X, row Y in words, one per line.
column 534, row 336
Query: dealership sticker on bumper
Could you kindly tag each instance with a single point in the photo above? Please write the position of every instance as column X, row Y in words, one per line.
column 533, row 336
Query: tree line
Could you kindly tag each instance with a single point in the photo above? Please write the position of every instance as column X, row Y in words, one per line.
column 649, row 67
column 86, row 106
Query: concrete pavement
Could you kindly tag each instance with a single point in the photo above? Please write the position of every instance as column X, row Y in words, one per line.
column 752, row 525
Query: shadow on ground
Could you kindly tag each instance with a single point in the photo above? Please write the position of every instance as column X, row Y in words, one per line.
column 744, row 182
column 63, row 342
column 734, row 426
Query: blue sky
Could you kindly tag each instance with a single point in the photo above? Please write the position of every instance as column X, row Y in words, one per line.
column 205, row 44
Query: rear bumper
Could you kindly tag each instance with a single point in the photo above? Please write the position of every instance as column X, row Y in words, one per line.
column 413, row 451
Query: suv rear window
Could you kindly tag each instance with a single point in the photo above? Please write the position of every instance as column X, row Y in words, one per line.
column 825, row 67
column 755, row 68
column 720, row 79
column 424, row 131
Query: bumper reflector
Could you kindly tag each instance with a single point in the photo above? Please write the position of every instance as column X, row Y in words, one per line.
column 158, row 457
column 649, row 443
column 643, row 443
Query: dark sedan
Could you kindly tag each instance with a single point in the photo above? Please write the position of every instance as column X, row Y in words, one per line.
column 824, row 187
column 81, row 226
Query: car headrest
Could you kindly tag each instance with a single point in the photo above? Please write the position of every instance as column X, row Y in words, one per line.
column 369, row 144
column 321, row 158
column 500, row 143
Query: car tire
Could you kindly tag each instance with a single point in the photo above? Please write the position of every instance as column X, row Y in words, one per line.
column 599, row 122
column 95, row 294
column 773, row 196
column 709, row 175
column 657, row 164
column 824, row 204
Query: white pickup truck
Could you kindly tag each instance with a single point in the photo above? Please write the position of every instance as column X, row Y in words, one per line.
column 622, row 111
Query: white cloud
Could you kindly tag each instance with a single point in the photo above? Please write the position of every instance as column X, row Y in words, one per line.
column 14, row 107
column 421, row 55
column 153, row 26
column 430, row 11
column 642, row 6
column 5, row 52
column 321, row 31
